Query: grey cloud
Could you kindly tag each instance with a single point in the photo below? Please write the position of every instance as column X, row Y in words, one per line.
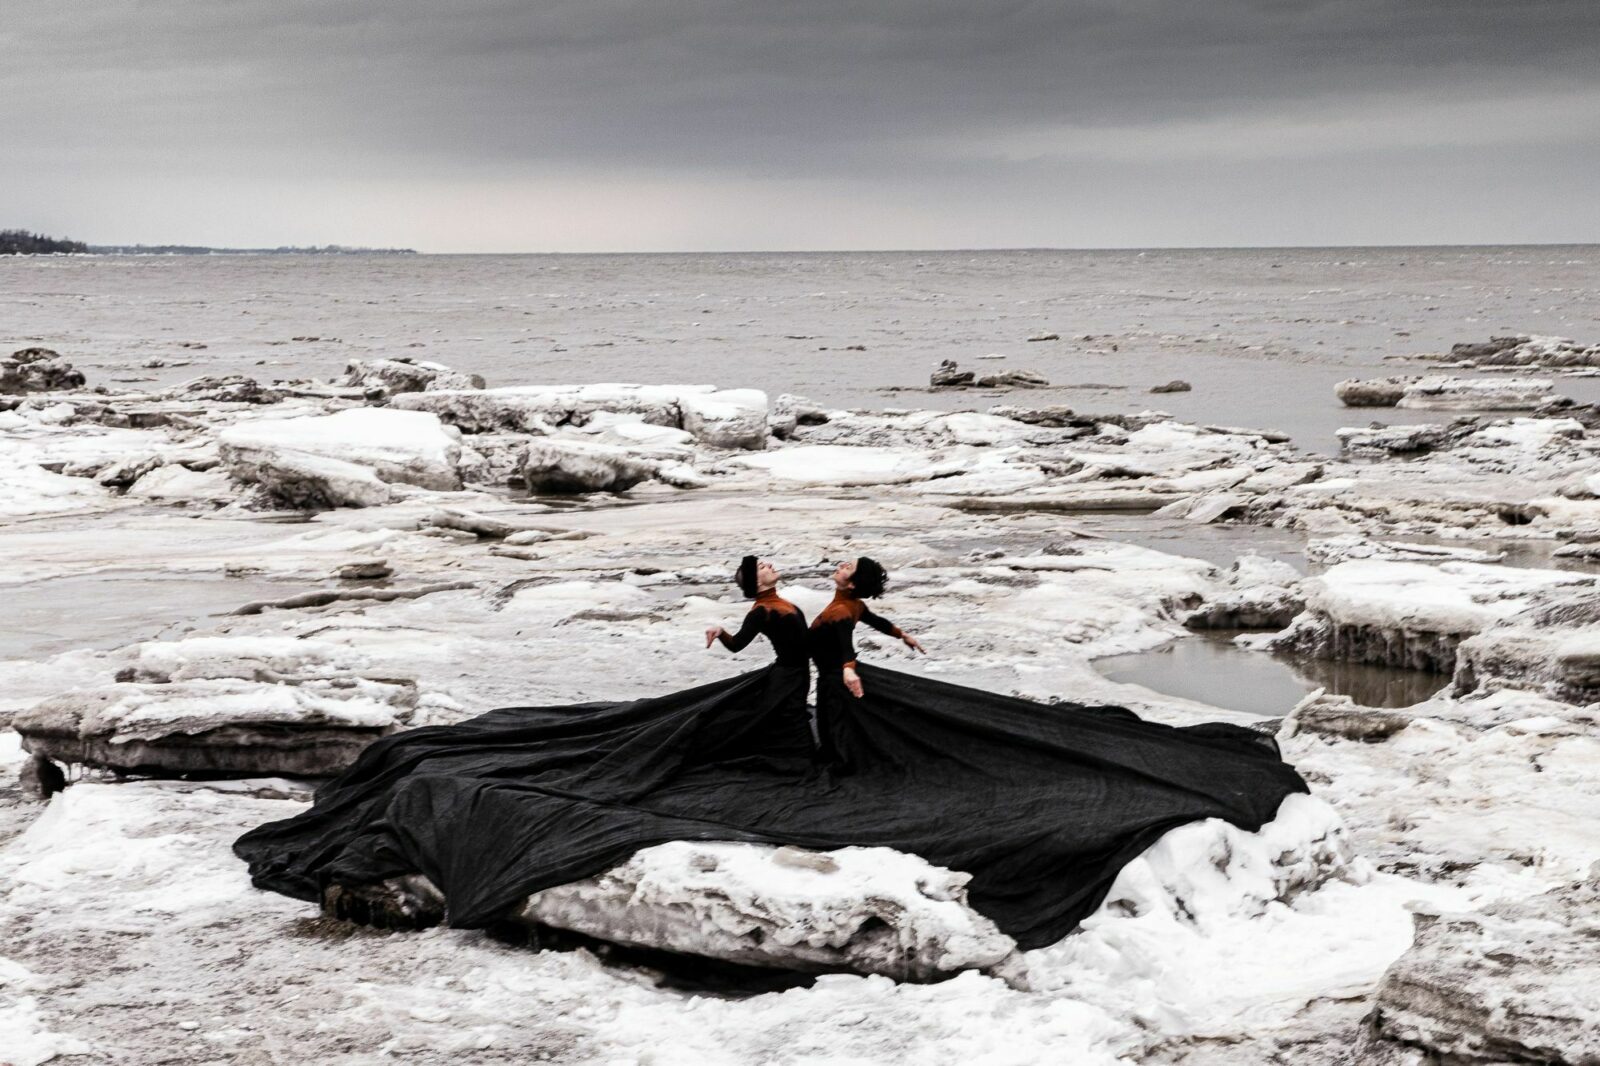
column 891, row 91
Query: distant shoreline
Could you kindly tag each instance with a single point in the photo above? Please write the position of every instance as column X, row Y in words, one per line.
column 193, row 249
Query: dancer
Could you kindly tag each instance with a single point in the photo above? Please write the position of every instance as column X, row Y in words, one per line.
column 833, row 647
column 1041, row 803
column 787, row 727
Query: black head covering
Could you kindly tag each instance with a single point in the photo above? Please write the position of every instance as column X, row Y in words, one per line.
column 745, row 576
column 869, row 579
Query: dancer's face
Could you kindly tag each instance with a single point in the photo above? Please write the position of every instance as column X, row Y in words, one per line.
column 844, row 574
column 767, row 576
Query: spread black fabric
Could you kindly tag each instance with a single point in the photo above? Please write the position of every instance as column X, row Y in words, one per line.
column 1041, row 804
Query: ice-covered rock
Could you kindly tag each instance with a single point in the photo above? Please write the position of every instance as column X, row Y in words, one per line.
column 1373, row 392
column 229, row 388
column 348, row 459
column 1257, row 593
column 1528, row 350
column 950, row 376
column 562, row 466
column 1515, row 982
column 866, row 910
column 717, row 417
column 727, row 418
column 174, row 483
column 401, row 374
column 542, row 408
column 1476, row 394
column 1382, row 441
column 1551, row 647
column 236, row 705
column 37, row 370
column 1013, row 379
column 1410, row 614
column 1330, row 550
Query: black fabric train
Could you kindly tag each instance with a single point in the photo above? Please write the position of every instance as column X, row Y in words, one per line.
column 1041, row 804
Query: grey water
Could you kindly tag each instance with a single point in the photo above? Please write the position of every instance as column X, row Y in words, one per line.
column 101, row 611
column 1261, row 334
column 1209, row 668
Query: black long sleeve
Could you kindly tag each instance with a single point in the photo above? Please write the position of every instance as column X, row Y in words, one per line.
column 881, row 624
column 754, row 623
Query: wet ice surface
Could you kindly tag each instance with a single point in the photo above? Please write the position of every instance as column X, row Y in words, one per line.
column 1210, row 668
column 53, row 615
column 1262, row 334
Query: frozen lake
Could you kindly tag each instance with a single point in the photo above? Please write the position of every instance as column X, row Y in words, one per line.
column 1261, row 334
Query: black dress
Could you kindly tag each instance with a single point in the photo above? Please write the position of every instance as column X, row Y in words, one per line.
column 832, row 645
column 785, row 730
column 1041, row 804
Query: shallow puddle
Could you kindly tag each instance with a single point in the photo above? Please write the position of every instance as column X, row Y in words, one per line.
column 1211, row 669
column 44, row 618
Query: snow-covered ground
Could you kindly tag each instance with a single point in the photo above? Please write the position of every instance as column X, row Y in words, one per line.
column 129, row 933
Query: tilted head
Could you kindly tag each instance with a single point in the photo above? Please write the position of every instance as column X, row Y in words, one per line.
column 863, row 576
column 755, row 576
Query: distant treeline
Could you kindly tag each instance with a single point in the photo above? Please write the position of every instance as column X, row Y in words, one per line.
column 195, row 249
column 21, row 242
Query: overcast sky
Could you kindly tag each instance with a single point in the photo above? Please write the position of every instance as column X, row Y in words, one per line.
column 584, row 125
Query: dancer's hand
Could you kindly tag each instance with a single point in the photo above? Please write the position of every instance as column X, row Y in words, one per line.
column 852, row 681
column 913, row 643
column 712, row 634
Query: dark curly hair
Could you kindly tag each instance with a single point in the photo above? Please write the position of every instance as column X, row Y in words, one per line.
column 745, row 576
column 869, row 579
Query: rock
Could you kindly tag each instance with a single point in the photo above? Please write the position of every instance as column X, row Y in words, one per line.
column 403, row 374
column 1207, row 508
column 1397, row 440
column 40, row 778
column 1373, row 392
column 1013, row 379
column 950, row 376
column 806, row 412
column 1529, row 350
column 1476, row 394
column 235, row 727
column 727, row 418
column 543, row 408
column 1411, row 615
column 1551, row 647
column 1045, row 337
column 782, row 420
column 232, row 388
column 1483, row 350
column 174, row 483
column 1175, row 385
column 310, row 482
column 37, row 370
column 861, row 910
column 1515, row 982
column 369, row 570
column 247, row 705
column 348, row 459
column 564, row 466
column 1341, row 717
column 1054, row 416
column 1258, row 593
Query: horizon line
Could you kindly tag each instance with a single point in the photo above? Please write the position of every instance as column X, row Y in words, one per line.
column 400, row 249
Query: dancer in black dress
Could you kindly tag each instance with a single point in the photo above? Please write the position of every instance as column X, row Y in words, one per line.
column 787, row 729
column 833, row 647
column 1041, row 803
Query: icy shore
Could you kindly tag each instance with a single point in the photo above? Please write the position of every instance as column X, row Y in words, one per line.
column 419, row 558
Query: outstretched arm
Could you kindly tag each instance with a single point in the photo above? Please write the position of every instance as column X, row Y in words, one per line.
column 889, row 629
column 737, row 641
